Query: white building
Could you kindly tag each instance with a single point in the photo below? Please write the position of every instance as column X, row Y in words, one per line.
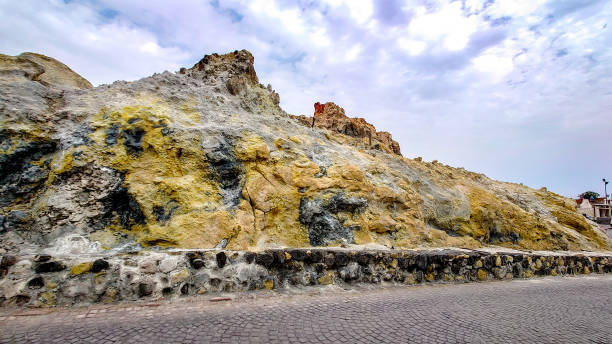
column 598, row 208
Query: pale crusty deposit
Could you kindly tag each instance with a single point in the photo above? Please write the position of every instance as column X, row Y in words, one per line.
column 205, row 157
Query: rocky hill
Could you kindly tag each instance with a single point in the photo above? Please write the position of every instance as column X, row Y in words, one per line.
column 205, row 157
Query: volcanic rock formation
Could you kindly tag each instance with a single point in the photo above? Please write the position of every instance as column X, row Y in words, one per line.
column 205, row 157
column 330, row 116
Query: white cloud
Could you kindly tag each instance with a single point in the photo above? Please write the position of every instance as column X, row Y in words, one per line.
column 78, row 36
column 413, row 47
column 474, row 6
column 290, row 18
column 360, row 10
column 319, row 37
column 352, row 53
column 495, row 65
column 514, row 7
column 449, row 25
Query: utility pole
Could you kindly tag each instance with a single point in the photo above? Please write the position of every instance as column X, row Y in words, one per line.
column 605, row 190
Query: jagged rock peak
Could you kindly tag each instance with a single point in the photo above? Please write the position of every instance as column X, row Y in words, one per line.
column 332, row 117
column 238, row 63
column 44, row 69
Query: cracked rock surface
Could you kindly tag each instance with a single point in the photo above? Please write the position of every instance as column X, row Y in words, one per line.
column 205, row 158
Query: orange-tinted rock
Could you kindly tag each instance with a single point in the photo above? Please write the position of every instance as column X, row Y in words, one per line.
column 386, row 139
column 318, row 108
column 331, row 116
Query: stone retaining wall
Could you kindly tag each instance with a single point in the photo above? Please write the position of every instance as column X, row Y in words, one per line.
column 44, row 281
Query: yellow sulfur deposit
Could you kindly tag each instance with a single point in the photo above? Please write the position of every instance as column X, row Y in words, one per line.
column 206, row 158
column 80, row 269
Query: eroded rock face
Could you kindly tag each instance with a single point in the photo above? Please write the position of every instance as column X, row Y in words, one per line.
column 206, row 158
column 324, row 226
column 44, row 69
column 331, row 116
column 235, row 64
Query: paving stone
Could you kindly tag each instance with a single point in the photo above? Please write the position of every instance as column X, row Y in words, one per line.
column 541, row 310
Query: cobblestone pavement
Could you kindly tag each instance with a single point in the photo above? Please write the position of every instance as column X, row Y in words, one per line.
column 546, row 310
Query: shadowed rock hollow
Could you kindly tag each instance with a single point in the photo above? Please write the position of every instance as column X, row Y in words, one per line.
column 205, row 157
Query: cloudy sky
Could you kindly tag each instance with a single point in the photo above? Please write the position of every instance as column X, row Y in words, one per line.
column 520, row 90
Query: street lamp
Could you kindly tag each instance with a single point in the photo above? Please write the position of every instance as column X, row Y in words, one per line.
column 605, row 190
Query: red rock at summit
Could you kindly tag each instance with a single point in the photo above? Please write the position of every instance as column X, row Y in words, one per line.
column 332, row 117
